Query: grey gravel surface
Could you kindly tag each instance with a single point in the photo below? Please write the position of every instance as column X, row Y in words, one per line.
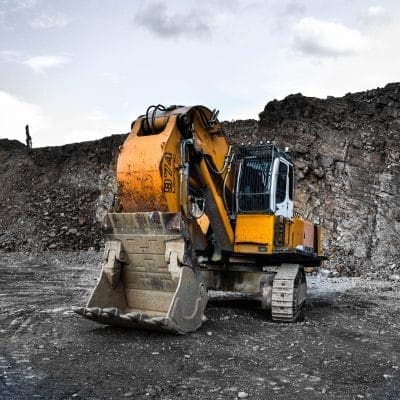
column 347, row 346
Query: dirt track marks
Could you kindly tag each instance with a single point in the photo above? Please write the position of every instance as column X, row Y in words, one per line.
column 347, row 346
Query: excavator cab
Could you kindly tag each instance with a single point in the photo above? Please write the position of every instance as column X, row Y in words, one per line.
column 264, row 181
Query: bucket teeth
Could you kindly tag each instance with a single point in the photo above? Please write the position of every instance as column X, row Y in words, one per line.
column 136, row 317
column 160, row 321
column 133, row 319
column 79, row 310
column 92, row 312
column 111, row 312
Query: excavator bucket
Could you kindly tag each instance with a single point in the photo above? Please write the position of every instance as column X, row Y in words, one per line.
column 147, row 279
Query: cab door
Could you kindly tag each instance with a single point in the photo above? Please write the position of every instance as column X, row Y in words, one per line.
column 282, row 185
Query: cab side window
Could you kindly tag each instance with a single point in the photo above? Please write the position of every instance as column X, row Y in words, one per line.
column 290, row 182
column 281, row 183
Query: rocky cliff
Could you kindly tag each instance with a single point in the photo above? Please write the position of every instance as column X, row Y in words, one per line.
column 346, row 150
column 53, row 197
column 347, row 154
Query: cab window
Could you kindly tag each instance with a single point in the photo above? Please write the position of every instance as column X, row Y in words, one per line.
column 281, row 183
column 290, row 182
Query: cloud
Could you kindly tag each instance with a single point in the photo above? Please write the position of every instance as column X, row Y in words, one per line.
column 26, row 4
column 157, row 19
column 326, row 39
column 37, row 63
column 16, row 114
column 16, row 5
column 375, row 16
column 376, row 11
column 294, row 8
column 49, row 21
column 375, row 65
column 8, row 8
column 42, row 63
column 10, row 55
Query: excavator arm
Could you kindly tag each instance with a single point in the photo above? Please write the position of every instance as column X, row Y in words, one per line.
column 168, row 165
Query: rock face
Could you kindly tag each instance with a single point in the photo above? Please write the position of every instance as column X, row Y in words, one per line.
column 347, row 154
column 52, row 198
column 346, row 150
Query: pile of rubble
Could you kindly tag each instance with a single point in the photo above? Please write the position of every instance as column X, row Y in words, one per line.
column 347, row 156
column 346, row 150
column 54, row 198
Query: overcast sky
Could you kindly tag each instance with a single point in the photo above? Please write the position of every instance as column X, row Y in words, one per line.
column 82, row 69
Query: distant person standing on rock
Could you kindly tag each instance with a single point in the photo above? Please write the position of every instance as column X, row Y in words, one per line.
column 28, row 137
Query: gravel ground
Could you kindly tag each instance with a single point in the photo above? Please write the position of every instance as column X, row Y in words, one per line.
column 347, row 347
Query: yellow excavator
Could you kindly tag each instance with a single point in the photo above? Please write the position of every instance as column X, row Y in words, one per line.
column 197, row 214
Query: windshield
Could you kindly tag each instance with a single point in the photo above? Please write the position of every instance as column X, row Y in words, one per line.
column 253, row 188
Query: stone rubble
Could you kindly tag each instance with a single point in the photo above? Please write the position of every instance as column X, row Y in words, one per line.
column 347, row 156
column 53, row 198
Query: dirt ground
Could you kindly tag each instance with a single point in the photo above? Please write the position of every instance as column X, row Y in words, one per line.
column 347, row 347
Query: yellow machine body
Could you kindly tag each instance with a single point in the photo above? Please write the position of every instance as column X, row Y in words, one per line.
column 254, row 233
column 257, row 233
column 148, row 165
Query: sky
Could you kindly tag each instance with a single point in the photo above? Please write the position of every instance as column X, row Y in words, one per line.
column 78, row 70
